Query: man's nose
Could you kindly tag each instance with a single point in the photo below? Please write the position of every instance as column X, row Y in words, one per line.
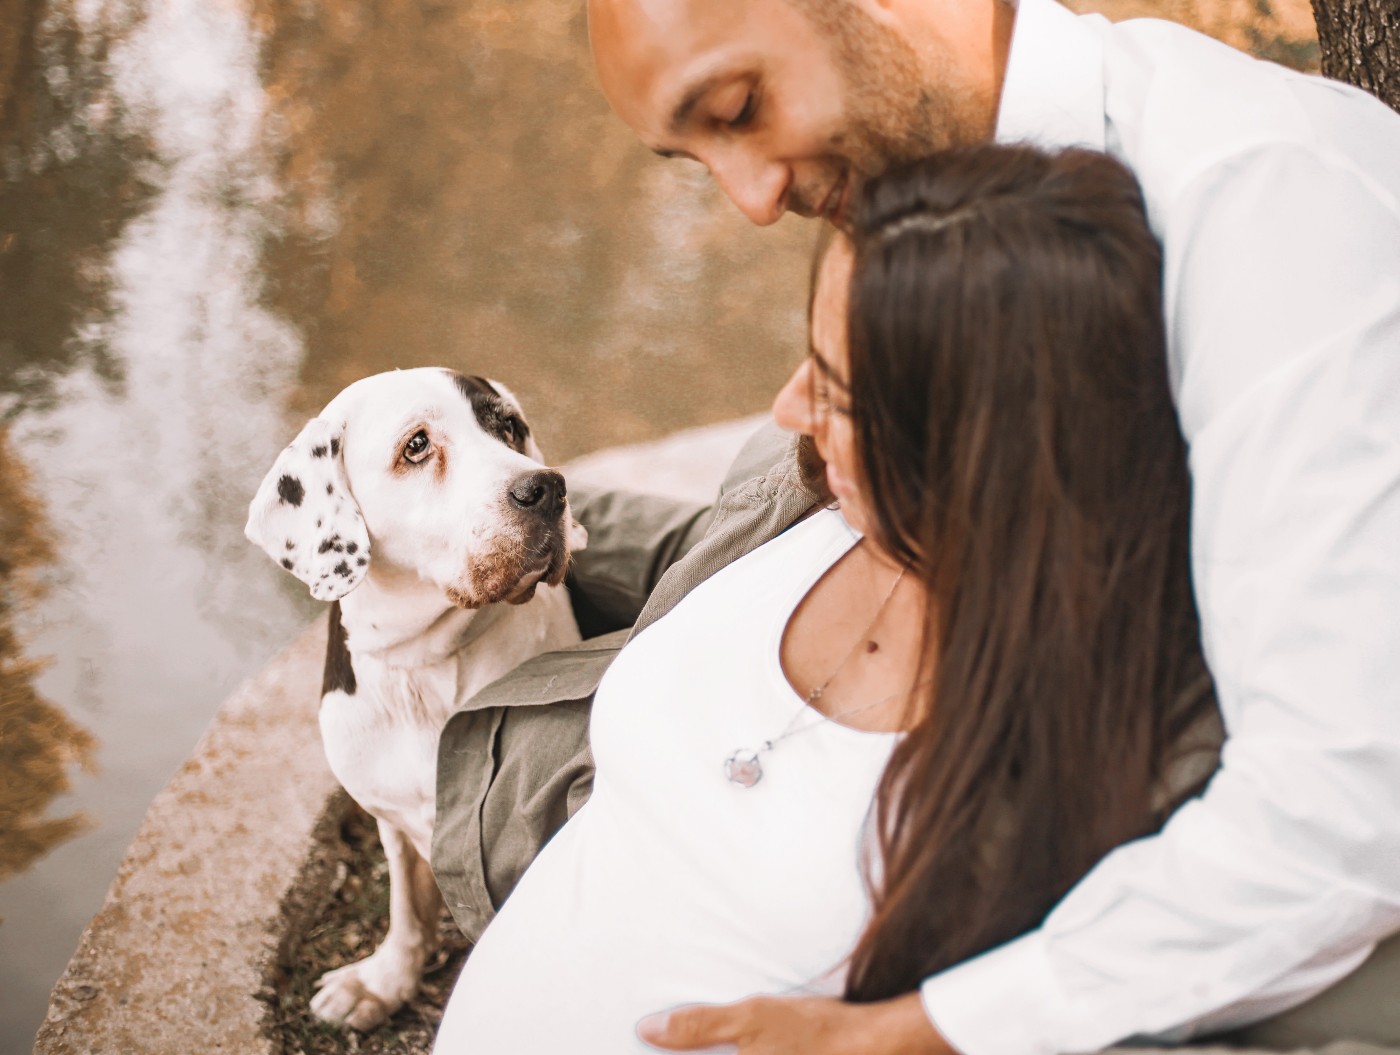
column 792, row 406
column 756, row 185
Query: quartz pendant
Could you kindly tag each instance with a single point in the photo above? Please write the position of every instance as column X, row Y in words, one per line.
column 742, row 768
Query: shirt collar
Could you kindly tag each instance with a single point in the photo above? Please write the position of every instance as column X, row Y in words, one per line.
column 1053, row 95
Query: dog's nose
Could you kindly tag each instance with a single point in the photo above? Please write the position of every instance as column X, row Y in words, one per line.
column 538, row 492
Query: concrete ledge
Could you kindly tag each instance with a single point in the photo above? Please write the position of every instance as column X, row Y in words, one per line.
column 196, row 915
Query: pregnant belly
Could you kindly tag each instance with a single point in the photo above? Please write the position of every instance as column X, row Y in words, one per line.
column 583, row 949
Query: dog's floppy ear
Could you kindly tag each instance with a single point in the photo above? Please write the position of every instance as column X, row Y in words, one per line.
column 305, row 518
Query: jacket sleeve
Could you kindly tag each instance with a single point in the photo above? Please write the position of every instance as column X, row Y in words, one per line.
column 632, row 540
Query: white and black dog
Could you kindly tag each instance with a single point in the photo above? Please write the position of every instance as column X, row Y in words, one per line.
column 423, row 492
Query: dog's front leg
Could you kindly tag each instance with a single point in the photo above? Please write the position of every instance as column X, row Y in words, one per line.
column 364, row 994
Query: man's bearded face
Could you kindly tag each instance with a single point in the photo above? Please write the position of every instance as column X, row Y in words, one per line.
column 791, row 104
column 889, row 115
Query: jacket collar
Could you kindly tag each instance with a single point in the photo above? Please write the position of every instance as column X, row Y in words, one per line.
column 747, row 515
column 1053, row 95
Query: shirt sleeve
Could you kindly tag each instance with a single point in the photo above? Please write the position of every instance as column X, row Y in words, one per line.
column 1283, row 301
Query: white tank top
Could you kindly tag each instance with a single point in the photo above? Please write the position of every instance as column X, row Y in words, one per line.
column 673, row 885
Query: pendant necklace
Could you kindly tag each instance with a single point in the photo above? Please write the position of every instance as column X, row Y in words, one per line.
column 743, row 767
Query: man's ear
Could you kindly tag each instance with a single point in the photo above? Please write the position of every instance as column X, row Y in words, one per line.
column 305, row 518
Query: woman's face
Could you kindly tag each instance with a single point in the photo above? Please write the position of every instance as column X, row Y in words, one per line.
column 816, row 400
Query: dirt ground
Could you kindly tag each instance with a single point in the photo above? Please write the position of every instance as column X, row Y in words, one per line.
column 350, row 927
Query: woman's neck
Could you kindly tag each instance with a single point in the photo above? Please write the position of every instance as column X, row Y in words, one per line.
column 857, row 638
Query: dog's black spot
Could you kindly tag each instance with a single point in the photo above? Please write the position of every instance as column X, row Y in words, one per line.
column 325, row 546
column 474, row 387
column 341, row 569
column 289, row 490
column 352, row 547
column 318, row 521
column 330, row 489
column 287, row 563
column 335, row 444
column 339, row 548
column 318, row 452
column 361, row 562
column 340, row 671
column 495, row 416
column 291, row 544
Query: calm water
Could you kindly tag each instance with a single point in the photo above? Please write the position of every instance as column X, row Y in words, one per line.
column 213, row 215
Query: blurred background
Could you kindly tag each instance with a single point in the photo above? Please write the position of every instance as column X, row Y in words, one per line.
column 214, row 214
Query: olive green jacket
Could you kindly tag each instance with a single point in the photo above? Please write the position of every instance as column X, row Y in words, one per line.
column 512, row 770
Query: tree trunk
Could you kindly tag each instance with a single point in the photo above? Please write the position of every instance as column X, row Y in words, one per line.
column 1360, row 43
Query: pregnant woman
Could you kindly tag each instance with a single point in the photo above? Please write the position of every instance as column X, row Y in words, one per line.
column 895, row 735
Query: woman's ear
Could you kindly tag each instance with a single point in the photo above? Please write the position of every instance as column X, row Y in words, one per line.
column 305, row 518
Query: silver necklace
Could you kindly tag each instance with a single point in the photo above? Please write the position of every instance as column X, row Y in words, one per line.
column 743, row 767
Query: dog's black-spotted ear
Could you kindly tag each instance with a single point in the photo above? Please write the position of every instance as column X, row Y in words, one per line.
column 305, row 518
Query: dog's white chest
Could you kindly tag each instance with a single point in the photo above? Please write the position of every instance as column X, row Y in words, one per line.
column 381, row 743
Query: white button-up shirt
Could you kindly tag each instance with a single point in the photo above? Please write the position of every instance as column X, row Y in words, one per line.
column 1277, row 199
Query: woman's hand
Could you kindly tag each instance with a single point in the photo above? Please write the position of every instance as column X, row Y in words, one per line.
column 798, row 1025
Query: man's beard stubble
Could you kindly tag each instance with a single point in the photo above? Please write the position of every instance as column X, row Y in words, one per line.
column 892, row 113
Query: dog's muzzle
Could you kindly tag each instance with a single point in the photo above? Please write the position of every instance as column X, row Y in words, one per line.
column 535, row 550
column 539, row 494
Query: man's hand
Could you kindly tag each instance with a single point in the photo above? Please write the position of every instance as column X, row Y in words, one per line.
column 798, row 1025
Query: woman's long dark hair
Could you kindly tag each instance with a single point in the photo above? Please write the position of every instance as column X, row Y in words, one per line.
column 1020, row 450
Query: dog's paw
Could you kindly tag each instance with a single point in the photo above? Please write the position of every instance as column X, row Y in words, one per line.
column 349, row 997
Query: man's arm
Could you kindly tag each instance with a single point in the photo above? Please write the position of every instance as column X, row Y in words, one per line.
column 1279, row 880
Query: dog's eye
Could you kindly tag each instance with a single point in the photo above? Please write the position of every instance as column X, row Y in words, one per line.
column 510, row 432
column 417, row 448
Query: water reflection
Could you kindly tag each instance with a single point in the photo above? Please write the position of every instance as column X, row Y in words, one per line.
column 458, row 192
column 74, row 174
column 152, row 383
column 39, row 744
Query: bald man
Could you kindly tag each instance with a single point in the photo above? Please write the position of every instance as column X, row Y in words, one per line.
column 1277, row 199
